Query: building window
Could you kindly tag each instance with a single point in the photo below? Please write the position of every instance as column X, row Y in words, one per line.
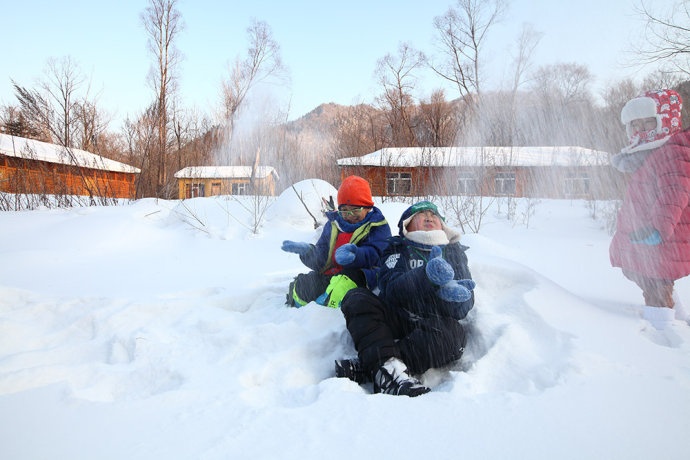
column 504, row 183
column 398, row 183
column 576, row 185
column 194, row 190
column 239, row 188
column 467, row 184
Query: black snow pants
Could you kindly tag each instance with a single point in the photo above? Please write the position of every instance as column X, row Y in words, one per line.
column 382, row 331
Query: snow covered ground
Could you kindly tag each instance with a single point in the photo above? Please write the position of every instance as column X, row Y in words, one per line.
column 157, row 330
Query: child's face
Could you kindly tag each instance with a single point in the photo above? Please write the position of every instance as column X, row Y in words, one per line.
column 424, row 221
column 643, row 124
column 352, row 214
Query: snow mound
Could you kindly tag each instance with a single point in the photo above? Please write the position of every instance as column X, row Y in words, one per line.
column 289, row 208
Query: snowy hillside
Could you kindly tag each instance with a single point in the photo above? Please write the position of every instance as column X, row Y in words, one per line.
column 157, row 330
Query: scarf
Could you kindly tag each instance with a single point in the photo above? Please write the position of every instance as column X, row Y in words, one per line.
column 431, row 238
column 347, row 227
column 633, row 156
column 628, row 162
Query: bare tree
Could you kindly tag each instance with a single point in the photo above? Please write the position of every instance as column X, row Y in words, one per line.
column 163, row 23
column 61, row 111
column 462, row 31
column 91, row 123
column 351, row 131
column 667, row 36
column 563, row 84
column 663, row 79
column 527, row 42
column 561, row 110
column 62, row 84
column 140, row 138
column 397, row 78
column 501, row 109
column 262, row 61
column 438, row 121
column 181, row 125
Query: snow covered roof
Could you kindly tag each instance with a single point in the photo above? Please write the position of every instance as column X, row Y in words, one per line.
column 224, row 172
column 480, row 156
column 21, row 147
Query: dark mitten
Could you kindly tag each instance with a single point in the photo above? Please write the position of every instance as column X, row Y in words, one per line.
column 438, row 270
column 345, row 254
column 456, row 290
column 296, row 247
column 645, row 235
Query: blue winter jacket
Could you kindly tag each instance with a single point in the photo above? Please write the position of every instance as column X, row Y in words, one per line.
column 371, row 237
column 403, row 281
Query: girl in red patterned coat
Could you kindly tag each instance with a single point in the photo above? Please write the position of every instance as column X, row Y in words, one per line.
column 652, row 239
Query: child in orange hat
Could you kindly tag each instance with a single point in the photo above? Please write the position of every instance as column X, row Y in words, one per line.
column 346, row 254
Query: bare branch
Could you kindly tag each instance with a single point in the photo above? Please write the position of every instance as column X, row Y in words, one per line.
column 262, row 61
column 667, row 36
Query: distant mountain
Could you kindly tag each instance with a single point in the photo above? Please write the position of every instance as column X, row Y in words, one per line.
column 324, row 118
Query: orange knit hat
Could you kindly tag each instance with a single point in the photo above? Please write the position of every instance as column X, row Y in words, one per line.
column 355, row 191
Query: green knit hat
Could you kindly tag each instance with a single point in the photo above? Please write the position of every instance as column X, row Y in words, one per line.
column 414, row 209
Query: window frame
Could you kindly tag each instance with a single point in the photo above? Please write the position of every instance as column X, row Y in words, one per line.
column 503, row 178
column 195, row 190
column 577, row 184
column 394, row 181
column 239, row 188
column 465, row 178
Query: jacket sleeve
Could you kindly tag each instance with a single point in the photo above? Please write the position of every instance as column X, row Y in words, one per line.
column 458, row 259
column 316, row 258
column 370, row 250
column 673, row 185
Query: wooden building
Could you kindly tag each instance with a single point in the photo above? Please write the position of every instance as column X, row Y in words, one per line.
column 199, row 181
column 34, row 167
column 541, row 172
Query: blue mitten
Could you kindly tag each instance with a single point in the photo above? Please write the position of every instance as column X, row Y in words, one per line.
column 345, row 254
column 456, row 290
column 645, row 235
column 295, row 247
column 438, row 270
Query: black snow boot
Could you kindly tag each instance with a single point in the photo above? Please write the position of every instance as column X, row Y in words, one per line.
column 351, row 369
column 392, row 378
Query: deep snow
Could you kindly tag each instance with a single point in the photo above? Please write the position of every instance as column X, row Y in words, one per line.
column 157, row 330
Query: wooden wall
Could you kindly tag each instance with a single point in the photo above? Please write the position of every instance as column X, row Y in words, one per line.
column 19, row 175
column 223, row 186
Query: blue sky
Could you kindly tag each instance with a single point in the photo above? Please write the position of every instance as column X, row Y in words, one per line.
column 330, row 48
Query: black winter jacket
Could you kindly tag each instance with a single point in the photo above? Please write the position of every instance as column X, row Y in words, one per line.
column 403, row 281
